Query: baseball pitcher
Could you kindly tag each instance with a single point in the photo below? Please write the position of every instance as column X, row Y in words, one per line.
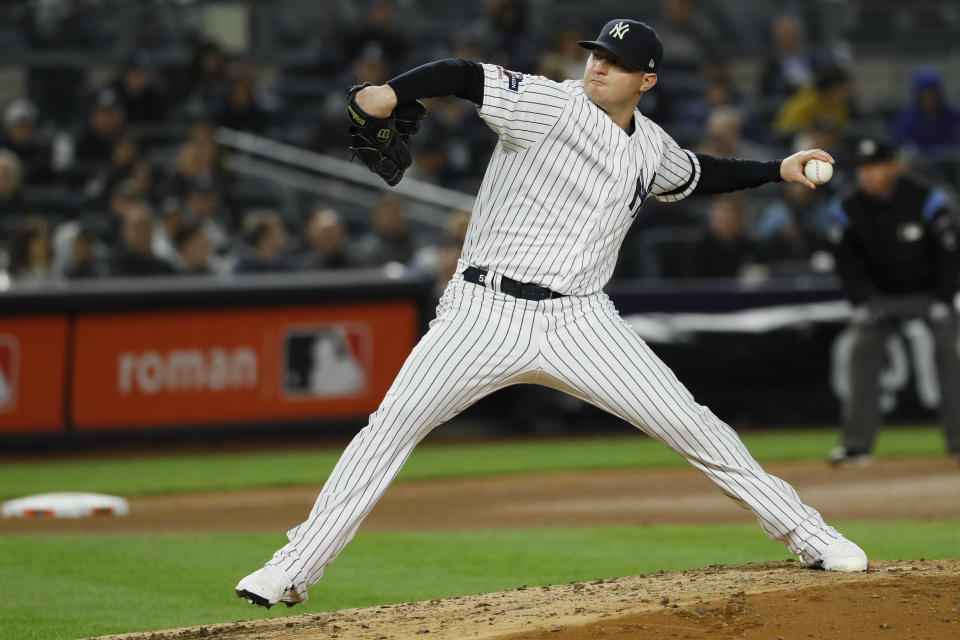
column 574, row 163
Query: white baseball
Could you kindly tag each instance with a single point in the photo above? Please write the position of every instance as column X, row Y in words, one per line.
column 818, row 171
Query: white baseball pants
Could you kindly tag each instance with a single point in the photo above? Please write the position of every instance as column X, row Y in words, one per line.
column 483, row 340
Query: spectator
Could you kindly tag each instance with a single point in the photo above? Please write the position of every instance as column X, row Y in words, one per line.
column 138, row 90
column 790, row 67
column 199, row 156
column 930, row 124
column 831, row 97
column 689, row 40
column 455, row 146
column 11, row 183
column 264, row 232
column 205, row 205
column 723, row 250
column 207, row 82
column 173, row 217
column 30, row 252
column 378, row 37
column 64, row 24
column 105, row 126
column 326, row 242
column 123, row 198
column 242, row 111
column 21, row 136
column 204, row 133
column 74, row 253
column 136, row 257
column 141, row 175
column 389, row 241
column 194, row 252
column 718, row 91
column 371, row 69
column 439, row 262
column 505, row 33
column 431, row 163
column 724, row 136
column 825, row 134
column 448, row 257
column 123, row 157
column 564, row 59
column 786, row 233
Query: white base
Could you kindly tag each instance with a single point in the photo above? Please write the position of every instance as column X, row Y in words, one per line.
column 65, row 505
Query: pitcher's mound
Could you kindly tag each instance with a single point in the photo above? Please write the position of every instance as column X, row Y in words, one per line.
column 894, row 599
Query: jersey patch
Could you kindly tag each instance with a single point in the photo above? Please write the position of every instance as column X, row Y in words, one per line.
column 514, row 80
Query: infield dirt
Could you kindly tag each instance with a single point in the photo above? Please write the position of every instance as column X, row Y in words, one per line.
column 895, row 599
column 919, row 489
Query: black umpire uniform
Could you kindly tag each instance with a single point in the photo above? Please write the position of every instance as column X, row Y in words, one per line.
column 895, row 244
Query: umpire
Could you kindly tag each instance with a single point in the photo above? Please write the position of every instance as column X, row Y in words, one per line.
column 895, row 245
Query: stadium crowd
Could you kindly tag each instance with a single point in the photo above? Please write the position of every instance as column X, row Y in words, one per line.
column 118, row 171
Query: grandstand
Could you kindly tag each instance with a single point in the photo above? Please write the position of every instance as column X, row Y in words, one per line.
column 203, row 111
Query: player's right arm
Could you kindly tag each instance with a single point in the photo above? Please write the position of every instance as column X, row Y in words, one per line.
column 683, row 173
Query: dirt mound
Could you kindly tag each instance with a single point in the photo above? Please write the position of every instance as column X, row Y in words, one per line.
column 895, row 599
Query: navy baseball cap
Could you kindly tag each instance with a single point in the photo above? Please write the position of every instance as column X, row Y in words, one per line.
column 636, row 43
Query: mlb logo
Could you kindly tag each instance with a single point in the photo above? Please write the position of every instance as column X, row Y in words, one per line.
column 327, row 361
column 9, row 371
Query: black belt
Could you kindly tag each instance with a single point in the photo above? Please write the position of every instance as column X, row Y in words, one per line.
column 510, row 286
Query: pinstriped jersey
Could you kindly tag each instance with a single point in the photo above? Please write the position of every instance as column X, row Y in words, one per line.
column 564, row 183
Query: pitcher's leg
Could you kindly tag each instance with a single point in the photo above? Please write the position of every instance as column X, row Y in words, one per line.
column 606, row 362
column 467, row 354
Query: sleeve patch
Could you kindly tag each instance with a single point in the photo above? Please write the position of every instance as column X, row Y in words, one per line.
column 514, row 79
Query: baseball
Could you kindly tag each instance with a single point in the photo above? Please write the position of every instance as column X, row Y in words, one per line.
column 818, row 171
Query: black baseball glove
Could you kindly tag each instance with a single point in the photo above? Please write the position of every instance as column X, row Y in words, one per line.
column 381, row 143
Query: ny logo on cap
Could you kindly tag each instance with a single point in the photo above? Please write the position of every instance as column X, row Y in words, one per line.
column 619, row 30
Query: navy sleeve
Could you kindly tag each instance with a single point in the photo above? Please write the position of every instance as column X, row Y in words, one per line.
column 447, row 77
column 722, row 175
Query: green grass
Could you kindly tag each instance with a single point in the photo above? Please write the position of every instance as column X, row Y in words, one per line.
column 71, row 586
column 213, row 472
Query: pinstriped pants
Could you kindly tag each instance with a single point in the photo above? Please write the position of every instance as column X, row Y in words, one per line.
column 483, row 340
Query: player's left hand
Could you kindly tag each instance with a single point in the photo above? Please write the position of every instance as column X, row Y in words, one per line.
column 791, row 168
column 379, row 142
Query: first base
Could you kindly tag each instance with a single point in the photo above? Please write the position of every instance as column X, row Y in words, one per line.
column 65, row 505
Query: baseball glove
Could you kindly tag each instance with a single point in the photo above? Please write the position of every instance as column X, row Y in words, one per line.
column 381, row 143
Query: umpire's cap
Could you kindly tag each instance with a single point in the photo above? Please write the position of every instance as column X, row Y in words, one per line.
column 636, row 43
column 873, row 150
